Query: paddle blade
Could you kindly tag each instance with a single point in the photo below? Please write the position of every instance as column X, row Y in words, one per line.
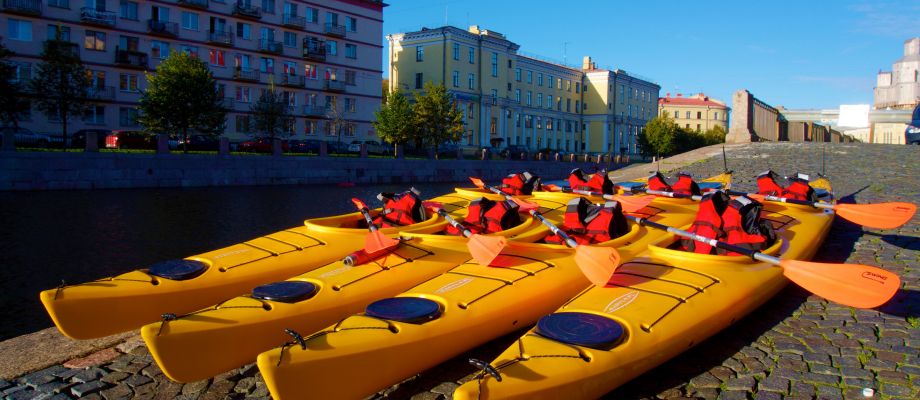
column 634, row 203
column 524, row 206
column 879, row 216
column 358, row 203
column 478, row 182
column 484, row 249
column 432, row 205
column 854, row 285
column 597, row 263
column 552, row 188
column 376, row 241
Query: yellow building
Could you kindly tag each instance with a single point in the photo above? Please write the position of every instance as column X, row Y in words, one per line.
column 512, row 99
column 698, row 112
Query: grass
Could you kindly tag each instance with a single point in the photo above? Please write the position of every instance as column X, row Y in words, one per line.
column 913, row 321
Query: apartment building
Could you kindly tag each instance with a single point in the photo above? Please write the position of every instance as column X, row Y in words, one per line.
column 509, row 98
column 698, row 112
column 324, row 56
column 900, row 87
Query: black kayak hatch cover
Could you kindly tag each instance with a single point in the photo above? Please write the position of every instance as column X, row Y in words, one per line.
column 177, row 270
column 285, row 291
column 581, row 329
column 413, row 310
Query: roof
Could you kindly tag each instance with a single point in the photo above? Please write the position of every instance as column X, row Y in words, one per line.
column 699, row 100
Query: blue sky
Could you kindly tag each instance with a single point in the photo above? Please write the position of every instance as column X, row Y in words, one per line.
column 798, row 54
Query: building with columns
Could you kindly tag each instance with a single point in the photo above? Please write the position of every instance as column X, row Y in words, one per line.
column 698, row 112
column 509, row 98
column 324, row 56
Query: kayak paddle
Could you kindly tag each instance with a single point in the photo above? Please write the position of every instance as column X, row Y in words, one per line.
column 879, row 215
column 596, row 263
column 629, row 203
column 479, row 245
column 375, row 240
column 854, row 285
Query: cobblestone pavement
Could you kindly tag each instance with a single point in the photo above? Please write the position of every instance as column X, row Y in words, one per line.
column 797, row 346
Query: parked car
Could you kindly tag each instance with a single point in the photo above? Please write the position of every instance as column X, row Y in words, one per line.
column 305, row 146
column 912, row 133
column 373, row 147
column 203, row 143
column 260, row 145
column 131, row 140
column 26, row 138
column 78, row 140
column 514, row 150
column 336, row 147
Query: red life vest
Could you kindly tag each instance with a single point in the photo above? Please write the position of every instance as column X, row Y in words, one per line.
column 685, row 185
column 518, row 184
column 766, row 184
column 798, row 188
column 599, row 182
column 658, row 182
column 708, row 222
column 487, row 216
column 592, row 223
column 400, row 209
column 743, row 226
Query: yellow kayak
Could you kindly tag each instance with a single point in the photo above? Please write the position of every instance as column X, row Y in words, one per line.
column 656, row 307
column 232, row 333
column 128, row 301
column 467, row 306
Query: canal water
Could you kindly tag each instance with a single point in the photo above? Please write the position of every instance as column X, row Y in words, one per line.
column 78, row 236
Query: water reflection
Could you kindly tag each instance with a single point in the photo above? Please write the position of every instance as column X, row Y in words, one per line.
column 77, row 236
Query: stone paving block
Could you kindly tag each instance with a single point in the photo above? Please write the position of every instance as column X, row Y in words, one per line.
column 768, row 396
column 245, row 385
column 117, row 392
column 260, row 391
column 744, row 384
column 27, row 394
column 89, row 374
column 13, row 389
column 705, row 381
column 84, row 389
column 167, row 389
column 137, row 380
column 145, row 391
column 802, row 389
column 195, row 387
column 829, row 393
column 773, row 384
column 114, row 377
column 55, row 387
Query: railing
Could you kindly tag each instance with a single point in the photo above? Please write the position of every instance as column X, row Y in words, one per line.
column 335, row 86
column 91, row 15
column 131, row 58
column 194, row 3
column 28, row 7
column 294, row 21
column 292, row 80
column 335, row 30
column 245, row 9
column 314, row 111
column 246, row 74
column 162, row 28
column 270, row 46
column 223, row 38
column 62, row 46
column 100, row 92
column 314, row 50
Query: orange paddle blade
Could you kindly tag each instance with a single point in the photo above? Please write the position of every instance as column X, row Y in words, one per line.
column 552, row 188
column 478, row 182
column 634, row 203
column 854, row 285
column 757, row 196
column 433, row 205
column 879, row 216
column 358, row 203
column 597, row 263
column 524, row 206
column 376, row 241
column 484, row 249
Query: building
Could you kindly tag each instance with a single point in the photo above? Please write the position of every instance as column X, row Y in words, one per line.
column 325, row 56
column 509, row 98
column 697, row 112
column 900, row 87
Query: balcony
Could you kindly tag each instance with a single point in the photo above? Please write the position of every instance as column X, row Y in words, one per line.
column 62, row 46
column 294, row 21
column 162, row 28
column 335, row 30
column 229, row 103
column 246, row 74
column 24, row 7
column 221, row 38
column 247, row 10
column 314, row 50
column 334, row 85
column 93, row 16
column 292, row 80
column 101, row 93
column 201, row 4
column 270, row 46
column 314, row 111
column 131, row 59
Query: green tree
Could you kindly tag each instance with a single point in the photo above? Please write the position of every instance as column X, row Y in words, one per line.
column 11, row 102
column 714, row 135
column 271, row 113
column 437, row 117
column 181, row 96
column 658, row 137
column 60, row 85
column 394, row 122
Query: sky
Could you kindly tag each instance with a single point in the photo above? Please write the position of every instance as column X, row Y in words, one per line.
column 796, row 54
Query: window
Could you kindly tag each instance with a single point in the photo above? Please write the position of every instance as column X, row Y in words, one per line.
column 289, row 68
column 529, row 98
column 494, row 64
column 309, row 71
column 456, row 51
column 539, row 99
column 127, row 116
column 456, row 78
column 332, row 47
column 243, row 95
column 128, row 10
column 471, row 80
column 189, row 21
column 419, row 53
column 549, row 81
column 351, row 50
column 540, row 79
column 528, row 121
column 311, row 14
column 549, row 101
column 559, row 83
column 568, row 85
column 568, row 105
column 58, row 32
column 494, row 95
column 529, row 76
column 130, row 43
column 577, row 107
column 517, row 95
column 59, row 3
column 472, row 55
column 715, row 115
column 470, row 108
column 697, row 127
column 351, row 24
column 350, row 105
column 493, row 126
column 190, row 50
column 350, row 77
column 127, row 82
column 243, row 30
column 216, row 57
column 242, row 61
column 94, row 115
column 688, row 114
column 549, row 124
column 159, row 49
column 243, row 124
column 676, row 114
column 699, row 115
column 290, row 39
column 267, row 65
column 309, row 128
column 517, row 74
column 93, row 40
column 418, row 80
column 332, row 18
column 20, row 30
column 268, row 6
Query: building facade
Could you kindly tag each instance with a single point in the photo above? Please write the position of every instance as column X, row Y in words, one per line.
column 900, row 87
column 324, row 56
column 512, row 99
column 697, row 112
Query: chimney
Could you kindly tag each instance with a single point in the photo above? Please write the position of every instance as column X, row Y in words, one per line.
column 586, row 64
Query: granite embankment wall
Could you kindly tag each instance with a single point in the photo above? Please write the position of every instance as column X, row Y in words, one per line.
column 58, row 170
